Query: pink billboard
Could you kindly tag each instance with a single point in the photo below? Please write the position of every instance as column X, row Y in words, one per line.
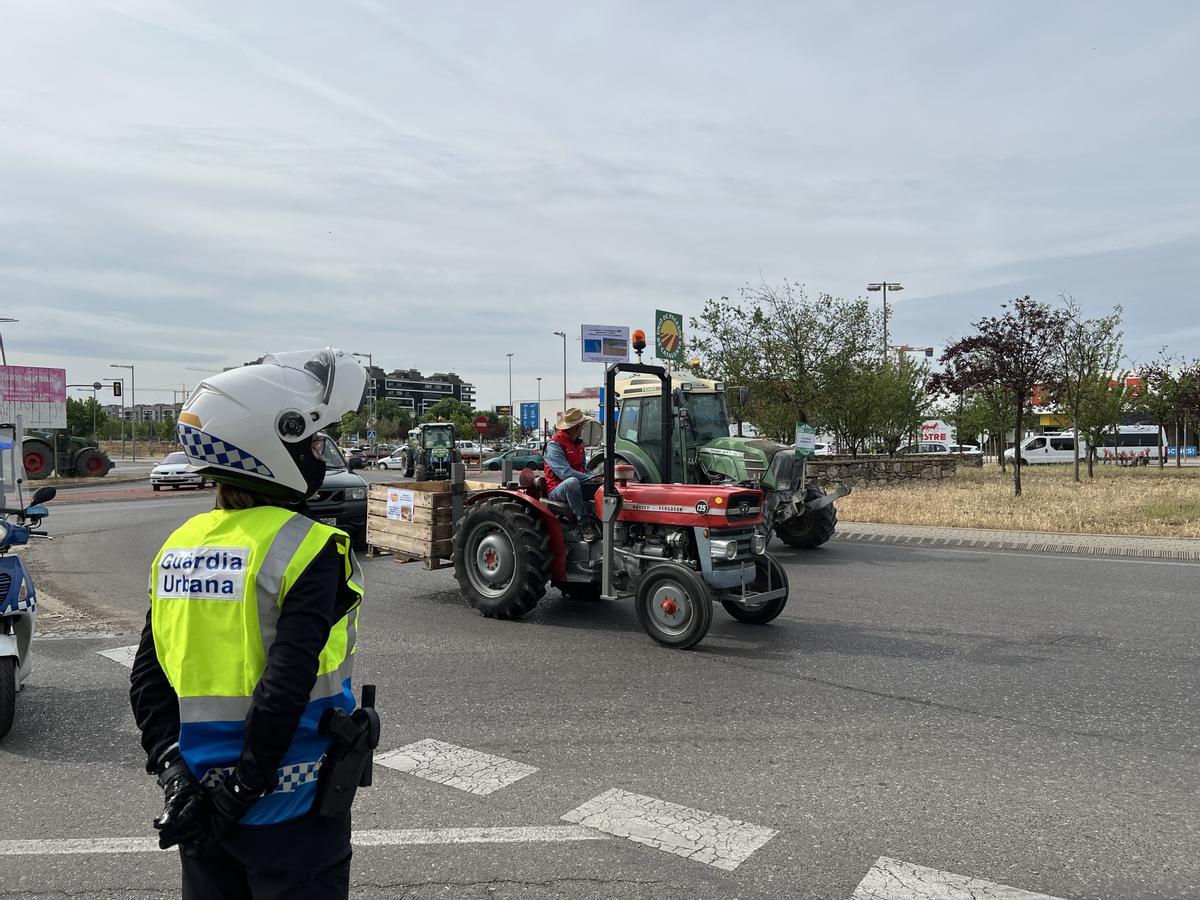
column 35, row 396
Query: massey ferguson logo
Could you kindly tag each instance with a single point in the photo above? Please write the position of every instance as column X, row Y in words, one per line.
column 702, row 507
column 744, row 508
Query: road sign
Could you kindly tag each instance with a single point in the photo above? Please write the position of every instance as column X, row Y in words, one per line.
column 371, row 436
column 529, row 416
column 668, row 335
column 481, row 424
column 605, row 343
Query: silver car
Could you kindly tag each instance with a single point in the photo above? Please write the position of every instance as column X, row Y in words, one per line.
column 175, row 472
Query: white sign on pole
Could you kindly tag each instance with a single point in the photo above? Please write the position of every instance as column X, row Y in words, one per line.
column 605, row 343
column 36, row 395
column 806, row 440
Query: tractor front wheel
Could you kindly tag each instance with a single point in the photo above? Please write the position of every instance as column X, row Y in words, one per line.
column 501, row 558
column 91, row 463
column 809, row 529
column 769, row 575
column 674, row 606
column 37, row 458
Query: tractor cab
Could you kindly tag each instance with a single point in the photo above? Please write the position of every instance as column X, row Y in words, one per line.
column 674, row 549
column 434, row 451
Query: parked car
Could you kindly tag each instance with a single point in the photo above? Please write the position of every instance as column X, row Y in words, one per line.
column 521, row 459
column 820, row 449
column 175, row 471
column 964, row 448
column 398, row 459
column 341, row 500
column 923, row 447
column 356, row 458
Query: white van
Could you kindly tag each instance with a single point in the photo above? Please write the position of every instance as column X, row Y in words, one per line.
column 1132, row 440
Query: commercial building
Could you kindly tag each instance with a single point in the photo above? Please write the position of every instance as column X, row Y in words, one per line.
column 417, row 392
column 142, row 412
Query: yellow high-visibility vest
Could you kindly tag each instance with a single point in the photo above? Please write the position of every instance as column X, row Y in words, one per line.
column 217, row 587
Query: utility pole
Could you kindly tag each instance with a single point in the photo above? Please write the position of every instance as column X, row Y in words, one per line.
column 132, row 402
column 885, row 286
column 510, row 402
column 539, row 409
column 3, row 355
column 563, row 335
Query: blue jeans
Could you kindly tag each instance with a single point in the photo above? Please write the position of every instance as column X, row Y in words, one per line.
column 579, row 496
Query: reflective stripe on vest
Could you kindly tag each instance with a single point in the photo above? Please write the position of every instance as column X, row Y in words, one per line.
column 217, row 588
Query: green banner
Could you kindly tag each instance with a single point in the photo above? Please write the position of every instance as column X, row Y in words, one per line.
column 668, row 335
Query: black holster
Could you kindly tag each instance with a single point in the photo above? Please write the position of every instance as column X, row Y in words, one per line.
column 347, row 765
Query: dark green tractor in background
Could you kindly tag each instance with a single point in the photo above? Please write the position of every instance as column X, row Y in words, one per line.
column 44, row 452
column 704, row 453
column 434, row 451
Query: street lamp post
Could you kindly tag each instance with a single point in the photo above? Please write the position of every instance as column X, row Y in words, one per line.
column 3, row 355
column 539, row 409
column 885, row 286
column 371, row 389
column 510, row 400
column 563, row 335
column 132, row 402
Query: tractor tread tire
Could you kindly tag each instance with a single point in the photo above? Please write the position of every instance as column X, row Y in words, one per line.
column 531, row 546
column 42, row 449
column 811, row 529
column 90, row 463
column 8, row 694
column 421, row 473
column 769, row 610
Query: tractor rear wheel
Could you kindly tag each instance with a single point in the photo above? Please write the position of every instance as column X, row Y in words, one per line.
column 501, row 558
column 38, row 458
column 90, row 463
column 674, row 606
column 769, row 575
column 809, row 529
column 8, row 694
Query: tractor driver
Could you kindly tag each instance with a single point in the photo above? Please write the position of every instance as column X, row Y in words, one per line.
column 565, row 478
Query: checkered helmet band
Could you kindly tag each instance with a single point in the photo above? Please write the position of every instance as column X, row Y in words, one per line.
column 204, row 448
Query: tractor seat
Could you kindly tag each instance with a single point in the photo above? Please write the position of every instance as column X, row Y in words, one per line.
column 560, row 509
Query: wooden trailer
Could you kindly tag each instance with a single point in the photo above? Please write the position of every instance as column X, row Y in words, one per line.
column 415, row 520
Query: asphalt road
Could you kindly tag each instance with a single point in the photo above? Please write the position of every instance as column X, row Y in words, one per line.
column 1023, row 720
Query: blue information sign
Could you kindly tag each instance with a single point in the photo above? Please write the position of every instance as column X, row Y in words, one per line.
column 530, row 416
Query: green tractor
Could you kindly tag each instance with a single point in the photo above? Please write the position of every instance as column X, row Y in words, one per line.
column 433, row 451
column 704, row 453
column 56, row 451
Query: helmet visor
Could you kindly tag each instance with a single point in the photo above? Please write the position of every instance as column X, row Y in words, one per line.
column 319, row 364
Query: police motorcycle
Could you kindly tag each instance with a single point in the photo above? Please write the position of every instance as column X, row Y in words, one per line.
column 18, row 600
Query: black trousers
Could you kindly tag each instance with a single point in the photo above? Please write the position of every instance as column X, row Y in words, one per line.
column 304, row 859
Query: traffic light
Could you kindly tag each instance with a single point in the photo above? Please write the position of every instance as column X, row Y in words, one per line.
column 116, row 386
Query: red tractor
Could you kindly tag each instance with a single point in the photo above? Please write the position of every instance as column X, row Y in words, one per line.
column 673, row 548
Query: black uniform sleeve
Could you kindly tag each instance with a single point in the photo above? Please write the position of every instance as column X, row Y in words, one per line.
column 309, row 612
column 155, row 705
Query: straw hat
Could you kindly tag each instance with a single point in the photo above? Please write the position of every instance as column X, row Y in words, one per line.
column 572, row 417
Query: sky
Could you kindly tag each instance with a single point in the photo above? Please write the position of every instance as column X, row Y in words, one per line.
column 188, row 185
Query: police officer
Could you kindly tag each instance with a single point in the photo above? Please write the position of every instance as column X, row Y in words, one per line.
column 250, row 638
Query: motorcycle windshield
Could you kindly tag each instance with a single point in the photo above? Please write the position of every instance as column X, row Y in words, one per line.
column 12, row 472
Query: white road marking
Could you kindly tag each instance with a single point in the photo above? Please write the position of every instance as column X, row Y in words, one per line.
column 892, row 879
column 701, row 836
column 122, row 655
column 454, row 766
column 533, row 834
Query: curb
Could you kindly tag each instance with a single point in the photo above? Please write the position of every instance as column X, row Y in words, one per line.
column 1037, row 545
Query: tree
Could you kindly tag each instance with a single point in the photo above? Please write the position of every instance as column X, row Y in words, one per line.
column 80, row 421
column 900, row 400
column 1014, row 352
column 1160, row 394
column 1090, row 352
column 454, row 411
column 776, row 341
column 1104, row 400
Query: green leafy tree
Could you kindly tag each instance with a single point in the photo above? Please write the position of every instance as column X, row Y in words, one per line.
column 454, row 411
column 1161, row 393
column 1104, row 401
column 899, row 400
column 79, row 417
column 1090, row 352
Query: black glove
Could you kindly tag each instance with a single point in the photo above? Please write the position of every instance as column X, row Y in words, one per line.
column 228, row 802
column 185, row 815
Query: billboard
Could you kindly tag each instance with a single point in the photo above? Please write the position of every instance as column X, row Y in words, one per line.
column 38, row 396
column 530, row 417
column 504, row 411
column 605, row 343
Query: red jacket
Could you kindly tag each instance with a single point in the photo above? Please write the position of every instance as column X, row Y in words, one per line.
column 574, row 453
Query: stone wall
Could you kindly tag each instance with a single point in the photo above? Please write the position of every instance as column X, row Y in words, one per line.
column 857, row 471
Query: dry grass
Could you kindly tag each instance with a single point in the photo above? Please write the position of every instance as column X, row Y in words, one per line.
column 1117, row 501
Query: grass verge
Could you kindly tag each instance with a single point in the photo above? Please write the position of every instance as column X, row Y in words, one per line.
column 1143, row 502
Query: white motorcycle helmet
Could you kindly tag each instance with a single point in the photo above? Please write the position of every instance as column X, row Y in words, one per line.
column 254, row 427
